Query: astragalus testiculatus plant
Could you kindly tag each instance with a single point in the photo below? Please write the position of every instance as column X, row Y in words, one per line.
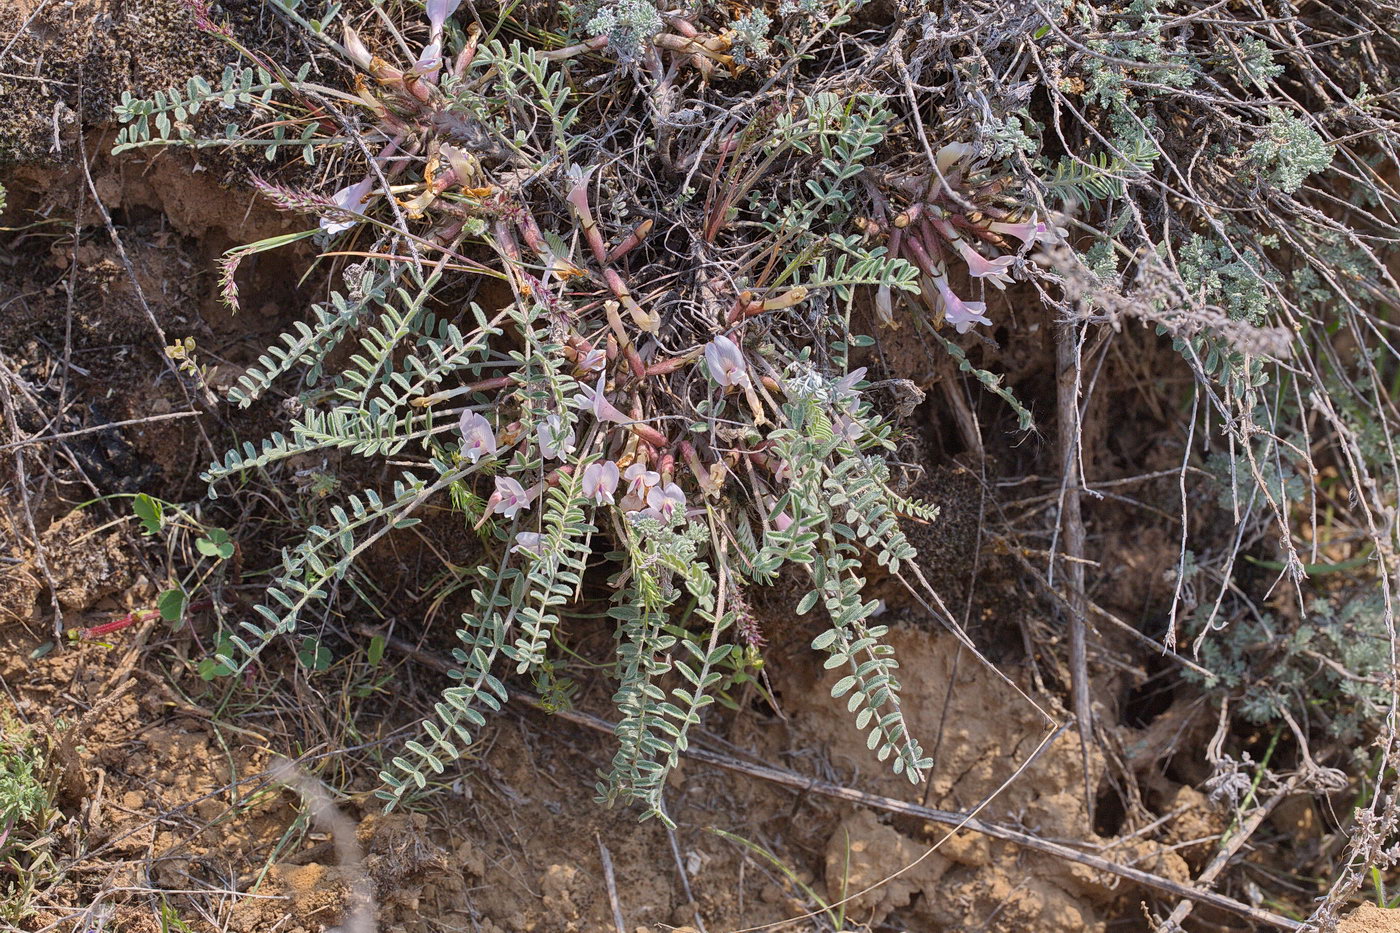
column 683, row 217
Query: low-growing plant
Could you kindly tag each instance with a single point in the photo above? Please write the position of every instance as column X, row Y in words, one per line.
column 1332, row 668
column 26, row 814
column 23, row 795
column 700, row 426
column 600, row 282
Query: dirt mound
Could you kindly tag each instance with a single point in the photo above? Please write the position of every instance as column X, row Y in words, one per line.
column 1368, row 918
column 982, row 730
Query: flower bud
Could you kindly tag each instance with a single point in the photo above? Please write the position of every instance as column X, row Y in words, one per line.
column 356, row 49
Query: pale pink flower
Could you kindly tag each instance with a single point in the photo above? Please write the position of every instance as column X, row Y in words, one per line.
column 993, row 270
column 556, row 439
column 884, row 305
column 478, row 437
column 961, row 314
column 578, row 189
column 600, row 481
column 950, row 155
column 664, row 501
column 846, row 385
column 726, row 362
column 463, row 165
column 593, row 399
column 593, row 361
column 845, row 403
column 1030, row 232
column 510, row 497
column 355, row 48
column 640, row 480
column 781, row 520
column 711, row 479
column 530, row 542
column 430, row 61
column 438, row 11
column 350, row 199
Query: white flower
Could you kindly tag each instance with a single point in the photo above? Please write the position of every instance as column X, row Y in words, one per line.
column 664, row 501
column 595, row 400
column 593, row 361
column 950, row 155
column 355, row 48
column 726, row 362
column 530, row 542
column 430, row 61
column 640, row 480
column 600, row 481
column 846, row 385
column 848, row 427
column 510, row 497
column 438, row 12
column 350, row 199
column 555, row 438
column 478, row 437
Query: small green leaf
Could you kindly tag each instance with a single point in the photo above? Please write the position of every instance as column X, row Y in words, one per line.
column 313, row 655
column 376, row 650
column 215, row 543
column 171, row 604
column 211, row 667
column 843, row 686
column 150, row 511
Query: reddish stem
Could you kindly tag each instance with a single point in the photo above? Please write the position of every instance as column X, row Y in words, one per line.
column 116, row 625
column 530, row 233
column 633, row 240
column 744, row 306
column 914, row 250
column 649, row 434
column 131, row 618
column 908, row 217
column 682, row 25
column 932, row 241
column 634, row 362
column 464, row 58
column 578, row 200
column 495, row 382
column 662, row 367
column 592, row 45
column 667, row 467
